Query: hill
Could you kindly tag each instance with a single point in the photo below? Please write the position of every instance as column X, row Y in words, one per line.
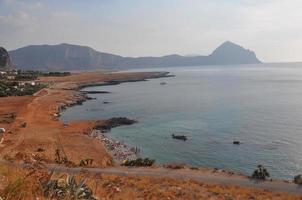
column 5, row 61
column 75, row 57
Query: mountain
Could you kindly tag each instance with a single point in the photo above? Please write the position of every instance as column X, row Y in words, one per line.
column 61, row 57
column 5, row 61
column 74, row 57
column 230, row 53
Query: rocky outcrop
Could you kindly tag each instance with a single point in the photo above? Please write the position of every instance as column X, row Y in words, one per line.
column 114, row 122
column 231, row 53
column 5, row 61
column 298, row 179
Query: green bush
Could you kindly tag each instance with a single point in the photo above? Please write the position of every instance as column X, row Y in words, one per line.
column 260, row 173
column 139, row 162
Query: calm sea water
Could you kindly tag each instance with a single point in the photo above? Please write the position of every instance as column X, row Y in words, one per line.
column 260, row 105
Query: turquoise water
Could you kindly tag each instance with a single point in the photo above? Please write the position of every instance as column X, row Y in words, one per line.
column 260, row 105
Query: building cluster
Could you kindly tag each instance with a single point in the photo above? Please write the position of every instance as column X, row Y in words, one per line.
column 19, row 83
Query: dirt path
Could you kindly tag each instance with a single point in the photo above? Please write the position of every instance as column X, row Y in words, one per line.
column 201, row 176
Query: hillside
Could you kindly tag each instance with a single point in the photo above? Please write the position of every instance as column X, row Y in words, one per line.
column 61, row 57
column 5, row 61
column 75, row 57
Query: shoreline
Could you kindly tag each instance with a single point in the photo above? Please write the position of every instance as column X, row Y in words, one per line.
column 43, row 133
column 117, row 149
column 121, row 151
column 37, row 133
column 83, row 95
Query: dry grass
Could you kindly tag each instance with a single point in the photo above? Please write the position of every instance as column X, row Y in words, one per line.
column 117, row 187
column 20, row 184
column 26, row 184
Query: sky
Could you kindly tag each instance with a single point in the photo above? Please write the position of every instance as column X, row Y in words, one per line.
column 271, row 28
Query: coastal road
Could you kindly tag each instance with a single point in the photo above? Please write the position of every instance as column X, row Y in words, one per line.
column 186, row 174
column 204, row 176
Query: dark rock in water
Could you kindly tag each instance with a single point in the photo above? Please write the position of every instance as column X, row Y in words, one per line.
column 117, row 121
column 163, row 83
column 298, row 179
column 5, row 60
column 179, row 137
column 96, row 92
column 236, row 142
column 114, row 122
column 90, row 98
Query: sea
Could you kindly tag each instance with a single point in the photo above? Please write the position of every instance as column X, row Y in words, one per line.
column 258, row 105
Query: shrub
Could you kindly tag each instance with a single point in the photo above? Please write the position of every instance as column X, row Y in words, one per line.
column 67, row 189
column 139, row 162
column 175, row 166
column 260, row 173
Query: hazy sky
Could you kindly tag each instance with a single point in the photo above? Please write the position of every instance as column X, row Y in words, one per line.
column 272, row 28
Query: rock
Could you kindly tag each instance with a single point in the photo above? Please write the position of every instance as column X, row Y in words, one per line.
column 40, row 149
column 117, row 189
column 236, row 142
column 298, row 179
column 114, row 122
column 23, row 124
column 96, row 92
column 5, row 60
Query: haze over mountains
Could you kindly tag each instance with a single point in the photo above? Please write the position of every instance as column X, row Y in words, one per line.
column 67, row 57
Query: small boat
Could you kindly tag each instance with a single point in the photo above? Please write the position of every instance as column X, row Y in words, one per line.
column 163, row 83
column 179, row 137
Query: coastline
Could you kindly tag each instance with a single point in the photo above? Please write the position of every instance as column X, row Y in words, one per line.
column 121, row 151
column 44, row 133
column 118, row 150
